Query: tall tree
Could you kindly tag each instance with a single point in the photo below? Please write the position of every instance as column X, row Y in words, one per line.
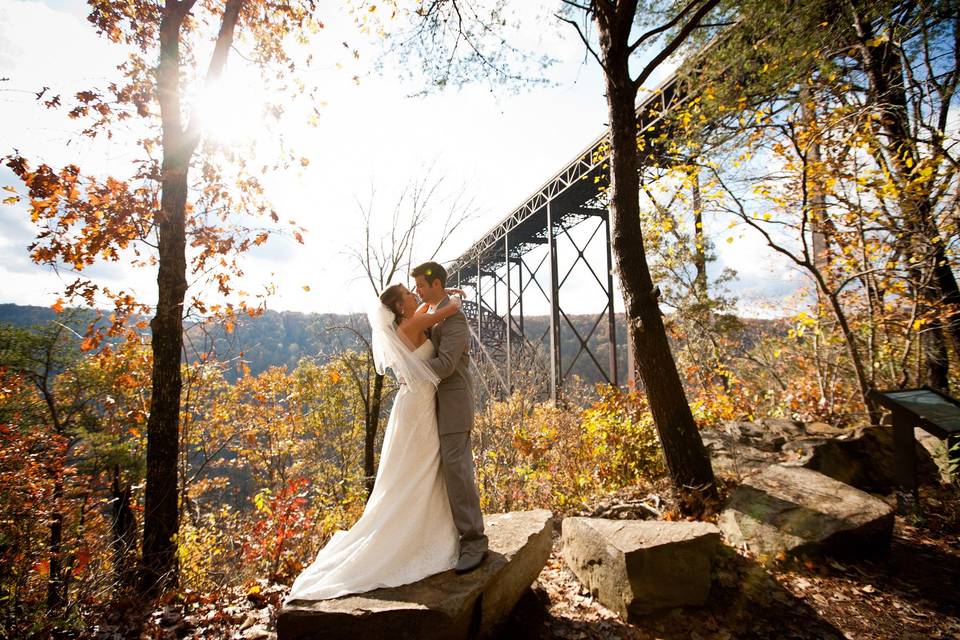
column 892, row 67
column 161, row 206
column 454, row 33
column 684, row 453
column 904, row 91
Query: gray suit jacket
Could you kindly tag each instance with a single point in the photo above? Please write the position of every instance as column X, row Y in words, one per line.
column 452, row 364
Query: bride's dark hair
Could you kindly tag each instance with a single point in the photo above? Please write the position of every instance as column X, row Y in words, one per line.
column 392, row 298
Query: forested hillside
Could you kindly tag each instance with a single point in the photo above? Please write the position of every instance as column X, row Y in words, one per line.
column 282, row 338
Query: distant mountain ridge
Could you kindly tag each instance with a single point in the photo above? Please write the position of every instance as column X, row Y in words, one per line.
column 282, row 338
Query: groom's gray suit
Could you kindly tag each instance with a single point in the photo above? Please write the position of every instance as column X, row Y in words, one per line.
column 454, row 421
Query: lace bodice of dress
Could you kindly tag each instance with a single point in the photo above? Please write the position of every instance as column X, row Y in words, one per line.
column 424, row 351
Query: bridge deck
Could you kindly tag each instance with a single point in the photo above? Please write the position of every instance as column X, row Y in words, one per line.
column 574, row 192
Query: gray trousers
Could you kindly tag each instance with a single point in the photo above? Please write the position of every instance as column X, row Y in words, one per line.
column 456, row 460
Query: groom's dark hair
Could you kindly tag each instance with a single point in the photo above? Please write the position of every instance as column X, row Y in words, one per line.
column 431, row 271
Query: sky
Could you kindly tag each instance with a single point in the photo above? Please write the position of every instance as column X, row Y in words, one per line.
column 490, row 148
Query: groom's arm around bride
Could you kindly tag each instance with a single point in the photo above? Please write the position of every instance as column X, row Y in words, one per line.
column 451, row 339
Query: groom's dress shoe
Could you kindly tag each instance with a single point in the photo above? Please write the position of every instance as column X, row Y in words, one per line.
column 470, row 561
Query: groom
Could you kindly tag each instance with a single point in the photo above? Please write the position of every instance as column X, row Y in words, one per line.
column 454, row 415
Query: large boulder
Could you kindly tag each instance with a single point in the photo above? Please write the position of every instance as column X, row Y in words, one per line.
column 863, row 458
column 446, row 605
column 792, row 510
column 635, row 567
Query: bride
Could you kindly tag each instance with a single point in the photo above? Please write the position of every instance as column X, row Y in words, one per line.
column 406, row 532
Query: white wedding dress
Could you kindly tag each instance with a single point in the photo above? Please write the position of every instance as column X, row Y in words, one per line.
column 406, row 532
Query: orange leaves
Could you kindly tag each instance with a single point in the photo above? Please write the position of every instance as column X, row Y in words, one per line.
column 57, row 306
column 79, row 219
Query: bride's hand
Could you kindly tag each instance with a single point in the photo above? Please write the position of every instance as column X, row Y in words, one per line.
column 455, row 292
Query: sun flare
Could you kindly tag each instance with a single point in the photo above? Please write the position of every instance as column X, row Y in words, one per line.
column 231, row 111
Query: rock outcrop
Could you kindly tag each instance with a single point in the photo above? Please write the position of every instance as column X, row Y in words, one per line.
column 863, row 457
column 792, row 510
column 446, row 605
column 636, row 567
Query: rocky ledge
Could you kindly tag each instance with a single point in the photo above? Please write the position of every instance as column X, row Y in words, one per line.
column 445, row 605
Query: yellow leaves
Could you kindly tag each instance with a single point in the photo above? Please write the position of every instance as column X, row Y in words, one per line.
column 262, row 503
column 730, row 239
column 11, row 200
column 877, row 41
column 335, row 377
column 306, row 288
column 805, row 319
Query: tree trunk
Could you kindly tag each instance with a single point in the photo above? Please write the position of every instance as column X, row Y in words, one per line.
column 56, row 596
column 888, row 97
column 161, row 513
column 683, row 450
column 123, row 528
column 935, row 359
column 161, row 518
column 373, row 422
column 699, row 241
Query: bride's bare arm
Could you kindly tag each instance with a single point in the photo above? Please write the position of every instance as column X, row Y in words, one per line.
column 422, row 321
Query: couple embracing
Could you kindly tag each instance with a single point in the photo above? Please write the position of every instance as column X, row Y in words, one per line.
column 423, row 516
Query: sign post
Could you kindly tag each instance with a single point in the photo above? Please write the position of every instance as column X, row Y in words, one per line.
column 931, row 410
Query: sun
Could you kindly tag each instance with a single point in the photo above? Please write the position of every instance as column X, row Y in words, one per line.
column 231, row 111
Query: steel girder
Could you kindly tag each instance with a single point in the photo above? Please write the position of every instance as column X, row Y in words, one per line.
column 572, row 196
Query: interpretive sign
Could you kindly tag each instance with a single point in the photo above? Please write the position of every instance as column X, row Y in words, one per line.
column 931, row 410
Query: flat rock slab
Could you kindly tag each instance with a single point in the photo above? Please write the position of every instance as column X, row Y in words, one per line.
column 792, row 510
column 635, row 567
column 444, row 605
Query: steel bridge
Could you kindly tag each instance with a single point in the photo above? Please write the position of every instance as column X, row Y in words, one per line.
column 506, row 264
